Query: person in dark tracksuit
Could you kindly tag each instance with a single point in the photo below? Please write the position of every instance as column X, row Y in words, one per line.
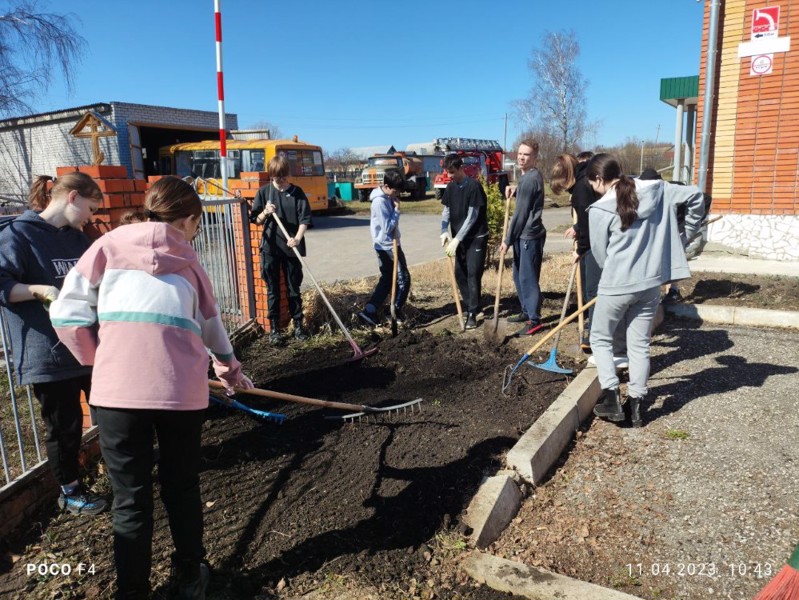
column 37, row 249
column 526, row 235
column 291, row 205
column 384, row 229
column 464, row 212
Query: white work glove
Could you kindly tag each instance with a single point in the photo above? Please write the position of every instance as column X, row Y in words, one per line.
column 46, row 294
column 244, row 383
column 452, row 247
column 445, row 239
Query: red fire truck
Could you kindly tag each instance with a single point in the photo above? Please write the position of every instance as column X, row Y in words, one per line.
column 480, row 157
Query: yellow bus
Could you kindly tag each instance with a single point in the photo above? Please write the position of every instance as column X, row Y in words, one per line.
column 201, row 159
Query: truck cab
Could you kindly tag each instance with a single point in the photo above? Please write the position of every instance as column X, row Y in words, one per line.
column 480, row 158
column 372, row 174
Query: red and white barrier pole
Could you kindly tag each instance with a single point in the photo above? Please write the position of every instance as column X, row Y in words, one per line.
column 220, row 84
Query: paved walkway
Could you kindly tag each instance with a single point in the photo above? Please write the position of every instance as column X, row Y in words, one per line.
column 340, row 247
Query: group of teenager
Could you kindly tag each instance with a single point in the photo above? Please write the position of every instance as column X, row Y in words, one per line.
column 629, row 238
column 136, row 306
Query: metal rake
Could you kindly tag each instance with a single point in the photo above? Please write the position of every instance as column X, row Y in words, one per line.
column 262, row 414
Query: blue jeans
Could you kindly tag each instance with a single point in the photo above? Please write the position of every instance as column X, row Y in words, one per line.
column 527, row 258
column 385, row 261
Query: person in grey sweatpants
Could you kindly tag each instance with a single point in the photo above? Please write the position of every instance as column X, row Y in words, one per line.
column 637, row 244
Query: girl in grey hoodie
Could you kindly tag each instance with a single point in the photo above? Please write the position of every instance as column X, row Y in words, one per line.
column 637, row 244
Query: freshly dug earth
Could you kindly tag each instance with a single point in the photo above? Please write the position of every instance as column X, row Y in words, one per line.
column 360, row 511
column 316, row 503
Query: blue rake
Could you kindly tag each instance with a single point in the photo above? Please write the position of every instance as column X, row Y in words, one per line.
column 510, row 370
column 269, row 416
column 551, row 364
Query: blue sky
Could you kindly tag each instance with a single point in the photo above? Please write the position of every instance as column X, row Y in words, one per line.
column 353, row 73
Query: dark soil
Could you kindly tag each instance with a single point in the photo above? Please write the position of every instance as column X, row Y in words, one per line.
column 753, row 291
column 316, row 503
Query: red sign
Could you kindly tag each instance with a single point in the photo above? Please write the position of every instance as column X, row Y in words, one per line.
column 765, row 22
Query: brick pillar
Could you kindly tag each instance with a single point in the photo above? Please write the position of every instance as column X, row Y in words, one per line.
column 120, row 195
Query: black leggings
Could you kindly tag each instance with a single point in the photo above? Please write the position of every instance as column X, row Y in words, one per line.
column 63, row 420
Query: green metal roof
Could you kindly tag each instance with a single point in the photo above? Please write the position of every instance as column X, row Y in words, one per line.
column 673, row 89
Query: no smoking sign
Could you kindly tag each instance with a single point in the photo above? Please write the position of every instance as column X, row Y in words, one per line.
column 761, row 64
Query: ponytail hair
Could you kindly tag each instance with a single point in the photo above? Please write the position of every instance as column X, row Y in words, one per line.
column 170, row 198
column 607, row 168
column 39, row 198
column 133, row 216
column 39, row 195
column 562, row 175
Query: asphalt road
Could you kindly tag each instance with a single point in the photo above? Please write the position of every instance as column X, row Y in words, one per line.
column 340, row 247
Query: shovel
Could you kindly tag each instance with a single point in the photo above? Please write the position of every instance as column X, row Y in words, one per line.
column 394, row 292
column 358, row 354
column 491, row 330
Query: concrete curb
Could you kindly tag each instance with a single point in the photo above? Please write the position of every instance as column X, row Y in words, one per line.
column 531, row 582
column 493, row 507
column 734, row 315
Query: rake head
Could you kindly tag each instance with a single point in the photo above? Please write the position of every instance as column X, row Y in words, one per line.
column 551, row 366
column 375, row 411
column 510, row 371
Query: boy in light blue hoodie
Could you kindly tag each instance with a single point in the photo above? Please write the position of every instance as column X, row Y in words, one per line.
column 384, row 227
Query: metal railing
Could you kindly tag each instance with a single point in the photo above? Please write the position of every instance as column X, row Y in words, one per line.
column 18, row 420
column 224, row 229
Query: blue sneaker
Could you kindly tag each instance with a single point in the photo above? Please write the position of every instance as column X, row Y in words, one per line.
column 370, row 318
column 82, row 502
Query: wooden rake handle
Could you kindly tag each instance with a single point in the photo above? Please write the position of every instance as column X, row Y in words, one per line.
column 455, row 292
column 501, row 266
column 292, row 398
column 561, row 325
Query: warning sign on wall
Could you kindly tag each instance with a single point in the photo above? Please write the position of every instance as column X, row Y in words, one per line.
column 765, row 22
column 761, row 64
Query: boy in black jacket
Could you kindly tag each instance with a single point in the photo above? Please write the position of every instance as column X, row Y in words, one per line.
column 464, row 211
column 290, row 204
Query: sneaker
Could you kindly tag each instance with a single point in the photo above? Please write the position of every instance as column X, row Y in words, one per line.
column 275, row 339
column 530, row 328
column 672, row 296
column 585, row 342
column 299, row 332
column 369, row 318
column 82, row 502
column 400, row 317
column 471, row 321
column 195, row 589
column 520, row 318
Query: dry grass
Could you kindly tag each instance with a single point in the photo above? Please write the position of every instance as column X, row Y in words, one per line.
column 431, row 286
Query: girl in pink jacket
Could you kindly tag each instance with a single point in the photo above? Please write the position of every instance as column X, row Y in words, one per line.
column 140, row 308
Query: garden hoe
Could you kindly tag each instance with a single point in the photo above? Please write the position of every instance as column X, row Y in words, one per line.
column 510, row 370
column 358, row 354
column 361, row 410
column 394, row 292
column 274, row 417
column 551, row 364
column 491, row 330
column 455, row 292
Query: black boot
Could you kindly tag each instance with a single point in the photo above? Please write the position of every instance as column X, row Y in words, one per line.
column 299, row 332
column 635, row 411
column 609, row 406
column 275, row 339
column 190, row 580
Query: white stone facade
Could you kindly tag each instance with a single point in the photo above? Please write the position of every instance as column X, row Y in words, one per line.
column 772, row 237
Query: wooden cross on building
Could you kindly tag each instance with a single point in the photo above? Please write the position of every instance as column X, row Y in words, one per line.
column 92, row 125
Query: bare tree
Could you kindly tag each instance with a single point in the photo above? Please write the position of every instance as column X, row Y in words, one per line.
column 343, row 161
column 557, row 102
column 34, row 45
column 274, row 131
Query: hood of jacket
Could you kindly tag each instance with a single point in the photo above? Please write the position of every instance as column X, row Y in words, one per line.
column 379, row 194
column 649, row 193
column 155, row 248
